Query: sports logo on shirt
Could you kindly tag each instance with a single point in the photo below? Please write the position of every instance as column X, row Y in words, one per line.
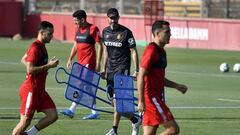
column 131, row 41
column 81, row 37
column 115, row 44
column 119, row 36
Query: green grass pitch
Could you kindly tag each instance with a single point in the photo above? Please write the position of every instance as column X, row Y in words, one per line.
column 210, row 107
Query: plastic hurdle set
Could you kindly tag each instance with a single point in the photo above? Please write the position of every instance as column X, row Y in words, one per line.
column 82, row 87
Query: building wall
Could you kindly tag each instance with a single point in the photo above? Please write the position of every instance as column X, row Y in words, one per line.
column 11, row 18
column 186, row 33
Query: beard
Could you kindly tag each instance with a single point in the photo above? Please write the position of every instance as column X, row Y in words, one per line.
column 47, row 40
column 167, row 40
column 114, row 26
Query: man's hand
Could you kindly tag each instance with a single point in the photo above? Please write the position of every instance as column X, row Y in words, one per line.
column 182, row 88
column 53, row 62
column 141, row 106
column 135, row 75
column 69, row 64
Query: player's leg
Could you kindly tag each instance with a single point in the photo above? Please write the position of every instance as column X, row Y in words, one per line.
column 116, row 120
column 94, row 114
column 116, row 116
column 26, row 109
column 136, row 122
column 50, row 117
column 150, row 122
column 22, row 125
column 149, row 130
column 89, row 76
column 171, row 128
column 88, row 88
column 47, row 106
column 71, row 111
column 94, row 107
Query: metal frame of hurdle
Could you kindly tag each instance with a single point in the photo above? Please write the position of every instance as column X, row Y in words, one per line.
column 83, row 84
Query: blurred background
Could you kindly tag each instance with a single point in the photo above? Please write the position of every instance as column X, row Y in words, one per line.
column 207, row 24
column 173, row 8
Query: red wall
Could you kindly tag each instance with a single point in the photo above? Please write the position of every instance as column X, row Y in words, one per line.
column 11, row 18
column 209, row 34
column 186, row 33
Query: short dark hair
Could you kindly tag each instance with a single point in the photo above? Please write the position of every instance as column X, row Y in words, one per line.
column 79, row 14
column 44, row 25
column 158, row 25
column 112, row 12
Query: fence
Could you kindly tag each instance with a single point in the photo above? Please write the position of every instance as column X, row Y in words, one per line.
column 182, row 9
column 134, row 7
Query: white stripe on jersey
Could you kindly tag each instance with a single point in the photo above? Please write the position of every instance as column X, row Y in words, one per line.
column 159, row 109
column 29, row 98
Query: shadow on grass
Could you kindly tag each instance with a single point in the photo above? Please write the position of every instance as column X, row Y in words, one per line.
column 110, row 117
column 211, row 118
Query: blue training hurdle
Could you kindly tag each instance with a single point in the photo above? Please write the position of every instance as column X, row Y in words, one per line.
column 83, row 85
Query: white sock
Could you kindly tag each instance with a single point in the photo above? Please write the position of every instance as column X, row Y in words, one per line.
column 73, row 107
column 94, row 105
column 32, row 131
column 93, row 111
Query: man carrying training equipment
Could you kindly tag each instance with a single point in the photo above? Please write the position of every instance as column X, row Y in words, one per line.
column 119, row 46
column 87, row 35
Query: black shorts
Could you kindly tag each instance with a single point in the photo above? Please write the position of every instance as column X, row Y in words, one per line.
column 111, row 74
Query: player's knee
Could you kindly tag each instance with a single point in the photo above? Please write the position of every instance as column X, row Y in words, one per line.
column 25, row 122
column 53, row 117
column 110, row 91
column 174, row 130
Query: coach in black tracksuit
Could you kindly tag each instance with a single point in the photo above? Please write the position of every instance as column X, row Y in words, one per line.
column 119, row 45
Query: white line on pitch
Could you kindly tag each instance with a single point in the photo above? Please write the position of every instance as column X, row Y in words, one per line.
column 178, row 72
column 203, row 74
column 228, row 100
column 55, row 88
column 12, row 63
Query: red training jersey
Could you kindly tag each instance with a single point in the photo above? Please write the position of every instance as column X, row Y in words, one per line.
column 37, row 54
column 154, row 60
column 86, row 38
